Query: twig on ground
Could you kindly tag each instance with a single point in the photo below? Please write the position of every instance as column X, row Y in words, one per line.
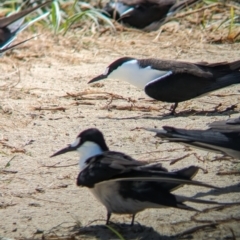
column 231, row 219
column 229, row 173
column 14, row 149
column 50, row 108
column 54, row 166
column 8, row 171
column 132, row 107
column 82, row 103
column 195, row 229
column 194, row 112
column 7, row 205
column 179, row 158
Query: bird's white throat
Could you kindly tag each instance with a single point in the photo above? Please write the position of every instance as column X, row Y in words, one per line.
column 120, row 7
column 135, row 75
column 87, row 150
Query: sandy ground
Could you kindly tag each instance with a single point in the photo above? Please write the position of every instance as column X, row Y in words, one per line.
column 45, row 102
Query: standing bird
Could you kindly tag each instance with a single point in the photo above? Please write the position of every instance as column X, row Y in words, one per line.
column 173, row 81
column 12, row 25
column 144, row 14
column 222, row 137
column 124, row 185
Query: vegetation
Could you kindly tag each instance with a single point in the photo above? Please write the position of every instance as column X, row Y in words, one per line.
column 211, row 16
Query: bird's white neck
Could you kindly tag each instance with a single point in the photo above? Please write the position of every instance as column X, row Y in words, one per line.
column 135, row 75
column 87, row 150
column 120, row 7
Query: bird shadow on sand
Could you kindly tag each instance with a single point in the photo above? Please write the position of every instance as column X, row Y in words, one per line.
column 103, row 232
column 119, row 231
column 187, row 113
column 217, row 192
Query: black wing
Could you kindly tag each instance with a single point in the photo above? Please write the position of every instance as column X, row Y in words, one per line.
column 185, row 81
column 105, row 166
column 118, row 167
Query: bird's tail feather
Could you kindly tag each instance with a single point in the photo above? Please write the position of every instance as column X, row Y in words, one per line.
column 224, row 81
column 186, row 173
column 224, row 66
column 189, row 172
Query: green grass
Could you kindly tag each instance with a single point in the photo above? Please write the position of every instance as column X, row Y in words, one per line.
column 213, row 16
column 115, row 232
column 63, row 14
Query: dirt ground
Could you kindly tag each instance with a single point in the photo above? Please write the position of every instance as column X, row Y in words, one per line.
column 45, row 102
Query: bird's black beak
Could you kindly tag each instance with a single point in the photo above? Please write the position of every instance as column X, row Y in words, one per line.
column 69, row 148
column 98, row 78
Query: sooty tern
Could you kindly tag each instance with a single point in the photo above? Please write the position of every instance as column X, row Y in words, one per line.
column 173, row 81
column 144, row 14
column 124, row 185
column 12, row 25
column 222, row 137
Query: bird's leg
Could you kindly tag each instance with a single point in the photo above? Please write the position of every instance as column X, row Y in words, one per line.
column 108, row 217
column 133, row 217
column 174, row 108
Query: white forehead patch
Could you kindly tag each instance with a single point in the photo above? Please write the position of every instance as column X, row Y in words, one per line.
column 133, row 62
column 106, row 71
column 76, row 142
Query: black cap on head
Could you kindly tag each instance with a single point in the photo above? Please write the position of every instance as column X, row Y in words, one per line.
column 93, row 135
column 88, row 135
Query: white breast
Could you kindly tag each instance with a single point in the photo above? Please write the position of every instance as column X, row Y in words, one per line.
column 132, row 73
column 108, row 195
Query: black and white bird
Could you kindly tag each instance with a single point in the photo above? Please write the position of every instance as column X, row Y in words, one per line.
column 124, row 185
column 173, row 81
column 222, row 137
column 144, row 14
column 12, row 25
